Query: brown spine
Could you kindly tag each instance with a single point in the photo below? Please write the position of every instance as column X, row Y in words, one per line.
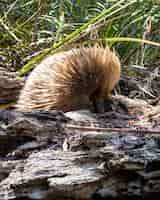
column 70, row 80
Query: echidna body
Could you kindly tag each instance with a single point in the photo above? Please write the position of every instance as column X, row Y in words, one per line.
column 70, row 80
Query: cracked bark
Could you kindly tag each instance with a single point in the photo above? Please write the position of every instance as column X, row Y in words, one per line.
column 40, row 158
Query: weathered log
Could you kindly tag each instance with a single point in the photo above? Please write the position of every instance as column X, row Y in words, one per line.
column 10, row 86
column 50, row 161
column 121, row 167
column 43, row 155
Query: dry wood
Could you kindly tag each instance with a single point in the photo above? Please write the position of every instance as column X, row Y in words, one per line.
column 119, row 130
column 47, row 156
column 10, row 86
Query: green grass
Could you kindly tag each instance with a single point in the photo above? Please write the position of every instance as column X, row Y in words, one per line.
column 49, row 25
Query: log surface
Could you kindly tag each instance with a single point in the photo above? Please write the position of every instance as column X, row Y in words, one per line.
column 42, row 158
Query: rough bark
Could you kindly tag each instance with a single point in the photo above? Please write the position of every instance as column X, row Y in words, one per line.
column 43, row 156
column 10, row 86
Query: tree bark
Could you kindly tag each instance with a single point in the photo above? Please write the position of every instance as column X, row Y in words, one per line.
column 44, row 156
column 10, row 86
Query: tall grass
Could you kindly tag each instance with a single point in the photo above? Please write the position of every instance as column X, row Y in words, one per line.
column 52, row 23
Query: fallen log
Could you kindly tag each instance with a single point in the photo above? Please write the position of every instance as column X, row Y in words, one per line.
column 52, row 162
column 51, row 155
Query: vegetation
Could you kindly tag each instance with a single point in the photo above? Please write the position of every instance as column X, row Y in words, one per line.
column 34, row 28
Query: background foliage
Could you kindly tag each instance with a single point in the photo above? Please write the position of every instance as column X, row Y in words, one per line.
column 29, row 26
